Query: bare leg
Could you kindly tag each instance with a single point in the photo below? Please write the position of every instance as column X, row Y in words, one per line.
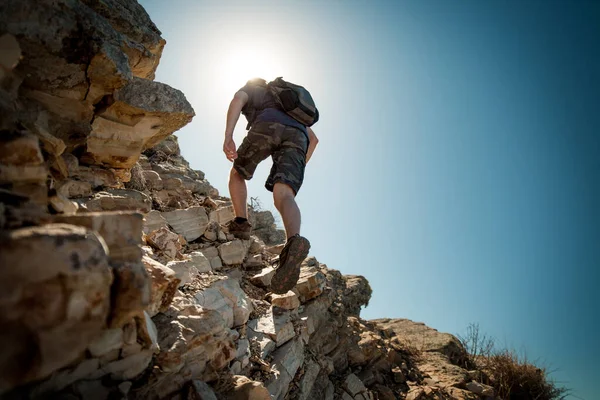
column 238, row 193
column 285, row 202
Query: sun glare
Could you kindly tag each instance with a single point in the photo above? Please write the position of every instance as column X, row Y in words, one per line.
column 239, row 66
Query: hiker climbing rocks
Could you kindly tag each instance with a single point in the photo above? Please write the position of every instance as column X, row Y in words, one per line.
column 279, row 117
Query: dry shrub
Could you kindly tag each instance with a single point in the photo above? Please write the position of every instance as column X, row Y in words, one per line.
column 512, row 376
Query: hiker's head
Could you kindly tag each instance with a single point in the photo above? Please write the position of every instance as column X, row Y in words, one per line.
column 256, row 81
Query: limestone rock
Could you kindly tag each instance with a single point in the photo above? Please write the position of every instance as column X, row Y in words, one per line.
column 429, row 340
column 287, row 301
column 353, row 385
column 247, row 389
column 131, row 291
column 310, row 284
column 164, row 285
column 74, row 189
column 276, row 323
column 196, row 334
column 263, row 278
column 222, row 215
column 311, row 372
column 153, row 180
column 198, row 390
column 226, row 297
column 119, row 200
column 184, row 270
column 165, row 240
column 200, row 261
column 153, row 221
column 190, row 222
column 286, row 361
column 121, row 230
column 55, row 298
column 480, row 389
column 20, row 149
column 61, row 204
column 233, row 253
column 107, row 340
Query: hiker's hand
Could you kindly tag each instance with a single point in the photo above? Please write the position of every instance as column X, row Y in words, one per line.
column 229, row 149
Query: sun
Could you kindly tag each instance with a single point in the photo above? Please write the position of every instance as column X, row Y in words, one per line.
column 237, row 67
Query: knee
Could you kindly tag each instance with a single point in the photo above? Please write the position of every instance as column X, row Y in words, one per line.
column 233, row 174
column 281, row 194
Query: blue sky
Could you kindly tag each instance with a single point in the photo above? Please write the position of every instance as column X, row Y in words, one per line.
column 458, row 167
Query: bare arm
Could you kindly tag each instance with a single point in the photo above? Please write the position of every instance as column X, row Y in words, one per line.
column 313, row 143
column 233, row 114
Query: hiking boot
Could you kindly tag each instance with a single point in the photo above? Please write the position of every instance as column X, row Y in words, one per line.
column 287, row 273
column 240, row 230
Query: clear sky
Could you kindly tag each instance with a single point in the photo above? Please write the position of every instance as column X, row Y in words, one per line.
column 458, row 167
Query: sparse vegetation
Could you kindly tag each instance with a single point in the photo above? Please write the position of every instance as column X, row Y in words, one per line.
column 512, row 376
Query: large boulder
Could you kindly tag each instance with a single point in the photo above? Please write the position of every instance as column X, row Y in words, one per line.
column 54, row 298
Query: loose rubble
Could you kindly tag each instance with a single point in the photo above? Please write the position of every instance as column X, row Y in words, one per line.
column 118, row 277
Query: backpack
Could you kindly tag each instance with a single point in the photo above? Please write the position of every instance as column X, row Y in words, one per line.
column 295, row 101
column 292, row 99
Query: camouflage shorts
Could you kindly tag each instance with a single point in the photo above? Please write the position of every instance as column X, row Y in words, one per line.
column 285, row 144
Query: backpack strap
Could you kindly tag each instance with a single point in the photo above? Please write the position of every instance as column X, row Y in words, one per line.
column 256, row 99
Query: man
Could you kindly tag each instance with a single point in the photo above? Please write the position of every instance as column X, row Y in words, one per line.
column 291, row 144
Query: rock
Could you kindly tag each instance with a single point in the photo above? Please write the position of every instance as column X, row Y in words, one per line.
column 61, row 204
column 133, row 21
column 353, row 386
column 124, row 387
column 275, row 250
column 198, row 390
column 131, row 291
column 20, row 149
column 191, row 222
column 200, row 261
column 64, row 378
column 147, row 332
column 168, row 146
column 74, row 189
column 233, row 253
column 286, row 361
column 157, row 109
column 253, row 261
column 256, row 245
column 153, row 180
column 287, row 301
column 185, row 271
column 480, row 389
column 311, row 371
column 276, row 323
column 195, row 333
column 23, row 174
column 153, row 221
column 165, row 241
column 121, row 230
column 164, row 285
column 246, row 389
column 109, row 339
column 59, row 283
column 263, row 279
column 222, row 215
column 119, row 200
column 226, row 297
column 310, row 284
column 129, row 367
column 429, row 340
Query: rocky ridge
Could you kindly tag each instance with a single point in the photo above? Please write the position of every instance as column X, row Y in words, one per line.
column 118, row 277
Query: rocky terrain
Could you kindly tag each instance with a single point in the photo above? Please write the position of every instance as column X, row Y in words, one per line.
column 117, row 277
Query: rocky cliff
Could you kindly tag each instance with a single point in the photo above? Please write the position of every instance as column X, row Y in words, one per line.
column 117, row 276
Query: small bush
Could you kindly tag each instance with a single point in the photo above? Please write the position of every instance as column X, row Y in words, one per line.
column 513, row 377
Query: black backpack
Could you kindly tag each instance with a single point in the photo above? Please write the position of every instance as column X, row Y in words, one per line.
column 292, row 99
